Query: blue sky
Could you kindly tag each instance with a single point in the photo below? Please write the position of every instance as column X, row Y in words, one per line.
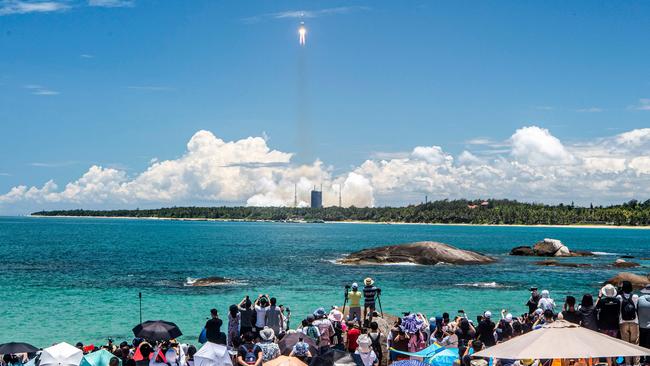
column 115, row 84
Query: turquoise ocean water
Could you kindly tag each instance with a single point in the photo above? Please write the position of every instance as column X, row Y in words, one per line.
column 69, row 279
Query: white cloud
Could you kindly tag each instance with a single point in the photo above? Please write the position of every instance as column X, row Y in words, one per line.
column 644, row 105
column 111, row 3
column 303, row 14
column 9, row 7
column 536, row 146
column 536, row 167
column 590, row 110
column 150, row 87
column 40, row 90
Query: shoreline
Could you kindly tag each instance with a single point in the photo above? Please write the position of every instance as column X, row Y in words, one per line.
column 570, row 226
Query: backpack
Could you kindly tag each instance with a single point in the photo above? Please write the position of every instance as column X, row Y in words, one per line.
column 312, row 332
column 628, row 309
column 249, row 353
column 375, row 343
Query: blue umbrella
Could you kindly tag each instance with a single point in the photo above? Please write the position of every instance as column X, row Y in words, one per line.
column 409, row 363
column 97, row 358
column 446, row 357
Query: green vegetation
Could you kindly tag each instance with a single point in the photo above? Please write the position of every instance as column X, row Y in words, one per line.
column 507, row 212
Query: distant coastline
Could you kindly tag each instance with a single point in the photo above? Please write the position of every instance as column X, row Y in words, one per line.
column 196, row 219
column 491, row 212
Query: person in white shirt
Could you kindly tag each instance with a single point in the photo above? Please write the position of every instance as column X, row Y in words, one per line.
column 629, row 320
column 546, row 303
column 261, row 307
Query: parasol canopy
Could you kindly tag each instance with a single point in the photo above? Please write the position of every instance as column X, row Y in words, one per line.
column 562, row 340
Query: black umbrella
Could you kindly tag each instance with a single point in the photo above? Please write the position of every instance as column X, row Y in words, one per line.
column 157, row 330
column 16, row 347
column 328, row 358
column 289, row 340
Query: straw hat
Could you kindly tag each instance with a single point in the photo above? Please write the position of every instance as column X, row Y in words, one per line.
column 608, row 290
column 364, row 343
column 368, row 281
column 267, row 334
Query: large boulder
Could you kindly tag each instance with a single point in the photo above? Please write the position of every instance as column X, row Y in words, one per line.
column 551, row 248
column 548, row 248
column 425, row 252
column 638, row 281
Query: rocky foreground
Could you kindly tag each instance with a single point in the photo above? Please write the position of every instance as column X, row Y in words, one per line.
column 424, row 253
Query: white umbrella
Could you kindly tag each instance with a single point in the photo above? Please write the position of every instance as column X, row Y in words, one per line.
column 62, row 354
column 212, row 354
column 562, row 340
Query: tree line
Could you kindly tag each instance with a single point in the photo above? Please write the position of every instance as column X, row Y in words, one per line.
column 506, row 212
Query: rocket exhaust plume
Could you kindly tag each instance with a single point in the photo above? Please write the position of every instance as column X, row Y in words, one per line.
column 302, row 32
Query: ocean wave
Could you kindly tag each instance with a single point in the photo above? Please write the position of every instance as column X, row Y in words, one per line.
column 336, row 261
column 604, row 253
column 482, row 285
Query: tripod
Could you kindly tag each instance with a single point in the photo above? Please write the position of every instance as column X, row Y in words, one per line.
column 345, row 299
column 379, row 303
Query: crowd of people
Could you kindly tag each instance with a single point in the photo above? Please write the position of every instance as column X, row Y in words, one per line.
column 260, row 330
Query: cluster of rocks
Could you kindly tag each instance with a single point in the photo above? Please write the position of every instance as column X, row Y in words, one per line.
column 548, row 248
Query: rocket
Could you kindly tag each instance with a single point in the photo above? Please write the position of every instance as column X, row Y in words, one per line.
column 302, row 32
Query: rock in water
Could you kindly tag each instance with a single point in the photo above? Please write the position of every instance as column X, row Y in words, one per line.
column 638, row 281
column 555, row 263
column 620, row 263
column 548, row 248
column 425, row 252
column 207, row 281
column 551, row 248
column 523, row 250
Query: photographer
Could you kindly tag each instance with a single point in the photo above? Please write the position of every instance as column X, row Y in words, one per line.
column 370, row 293
column 354, row 296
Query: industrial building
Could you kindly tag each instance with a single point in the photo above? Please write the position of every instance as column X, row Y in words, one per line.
column 316, row 198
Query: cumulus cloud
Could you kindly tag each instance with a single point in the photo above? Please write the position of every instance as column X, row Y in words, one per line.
column 536, row 166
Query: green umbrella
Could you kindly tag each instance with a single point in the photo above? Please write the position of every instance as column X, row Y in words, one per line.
column 98, row 358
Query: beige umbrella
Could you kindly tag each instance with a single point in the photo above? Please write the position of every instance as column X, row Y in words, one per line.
column 562, row 340
column 285, row 361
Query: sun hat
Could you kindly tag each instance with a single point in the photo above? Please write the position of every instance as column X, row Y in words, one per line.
column 608, row 290
column 487, row 314
column 364, row 343
column 368, row 281
column 478, row 362
column 355, row 286
column 267, row 334
column 646, row 289
column 508, row 318
column 319, row 313
column 336, row 315
column 545, row 293
column 527, row 361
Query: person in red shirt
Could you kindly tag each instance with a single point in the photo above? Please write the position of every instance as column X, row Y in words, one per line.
column 352, row 336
